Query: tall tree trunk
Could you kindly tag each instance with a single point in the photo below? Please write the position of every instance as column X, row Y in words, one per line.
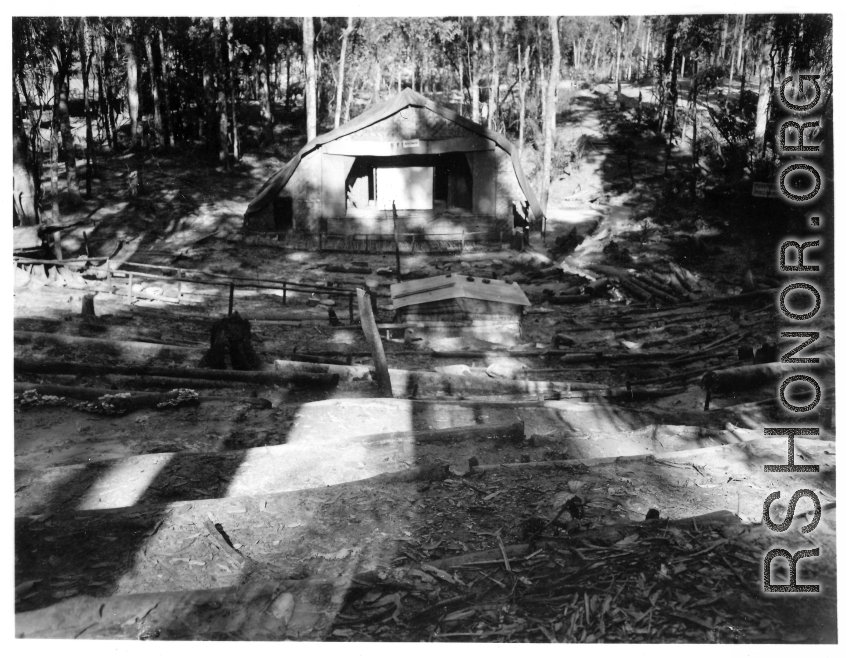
column 223, row 129
column 461, row 86
column 23, row 181
column 766, row 78
column 287, row 81
column 350, row 90
column 377, row 79
column 132, row 92
column 311, row 88
column 233, row 90
column 207, row 115
column 85, row 57
column 170, row 129
column 264, row 70
column 619, row 40
column 110, row 92
column 731, row 71
column 220, row 93
column 494, row 93
column 596, row 54
column 671, row 94
column 648, row 63
column 154, row 90
column 474, row 73
column 635, row 38
column 741, row 40
column 550, row 118
column 694, row 159
column 103, row 103
column 522, row 86
column 737, row 65
column 60, row 83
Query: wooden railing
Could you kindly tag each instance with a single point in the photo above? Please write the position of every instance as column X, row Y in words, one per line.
column 184, row 275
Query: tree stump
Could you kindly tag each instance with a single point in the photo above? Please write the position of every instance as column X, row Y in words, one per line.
column 88, row 308
column 231, row 341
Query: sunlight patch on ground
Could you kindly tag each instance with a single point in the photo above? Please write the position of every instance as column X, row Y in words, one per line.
column 122, row 485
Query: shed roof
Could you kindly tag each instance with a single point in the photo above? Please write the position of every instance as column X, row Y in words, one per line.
column 451, row 286
column 376, row 113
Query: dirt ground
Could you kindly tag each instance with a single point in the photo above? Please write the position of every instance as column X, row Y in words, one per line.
column 329, row 512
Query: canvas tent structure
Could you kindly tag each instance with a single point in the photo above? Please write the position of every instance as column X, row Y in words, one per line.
column 489, row 309
column 444, row 174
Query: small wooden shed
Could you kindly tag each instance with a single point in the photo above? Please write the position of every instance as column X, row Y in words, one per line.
column 490, row 309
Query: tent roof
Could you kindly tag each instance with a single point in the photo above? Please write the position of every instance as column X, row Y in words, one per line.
column 374, row 114
column 452, row 286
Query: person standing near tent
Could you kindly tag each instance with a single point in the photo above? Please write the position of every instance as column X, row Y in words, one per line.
column 521, row 228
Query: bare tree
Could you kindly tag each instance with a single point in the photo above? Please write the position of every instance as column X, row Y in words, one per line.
column 311, row 88
column 264, row 71
column 550, row 118
column 339, row 92
column 158, row 124
column 23, row 182
column 166, row 94
column 62, row 53
column 86, row 56
column 132, row 89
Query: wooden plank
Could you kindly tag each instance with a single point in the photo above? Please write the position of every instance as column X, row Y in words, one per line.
column 375, row 342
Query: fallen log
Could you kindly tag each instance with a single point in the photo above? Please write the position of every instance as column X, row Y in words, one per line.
column 568, row 299
column 652, row 289
column 632, row 395
column 685, row 278
column 654, row 279
column 741, row 378
column 74, row 368
column 144, row 382
column 348, row 269
column 418, row 382
column 596, row 287
column 306, row 358
column 137, row 399
column 628, row 284
column 423, row 384
column 678, row 288
column 769, row 292
column 670, row 378
column 345, row 373
column 123, row 349
column 512, row 432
